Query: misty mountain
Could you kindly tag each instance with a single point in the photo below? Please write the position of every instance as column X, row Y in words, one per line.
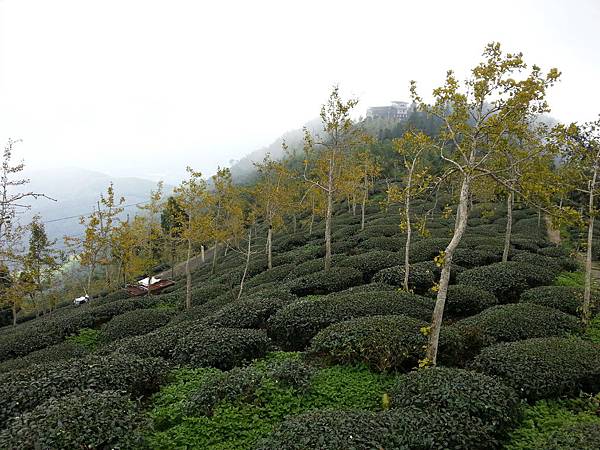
column 76, row 192
column 243, row 169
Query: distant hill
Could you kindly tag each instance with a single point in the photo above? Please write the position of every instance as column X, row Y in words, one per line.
column 243, row 170
column 76, row 192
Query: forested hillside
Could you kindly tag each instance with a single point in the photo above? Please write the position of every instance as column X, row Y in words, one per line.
column 415, row 286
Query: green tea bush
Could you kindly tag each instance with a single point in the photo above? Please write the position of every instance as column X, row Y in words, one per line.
column 544, row 367
column 567, row 299
column 427, row 249
column 553, row 264
column 470, row 258
column 463, row 301
column 204, row 293
column 371, row 262
column 514, row 322
column 325, row 281
column 85, row 419
column 57, row 352
column 505, row 280
column 296, row 324
column 392, row 244
column 24, row 389
column 554, row 251
column 380, row 342
column 248, row 313
column 311, row 266
column 132, row 323
column 222, row 348
column 474, row 394
column 277, row 273
column 421, row 277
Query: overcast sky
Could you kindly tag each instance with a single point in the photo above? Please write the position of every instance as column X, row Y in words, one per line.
column 144, row 88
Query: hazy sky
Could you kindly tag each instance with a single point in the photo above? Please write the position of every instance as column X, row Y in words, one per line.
column 144, row 88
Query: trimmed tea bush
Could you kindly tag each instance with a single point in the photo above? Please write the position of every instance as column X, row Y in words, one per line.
column 505, row 280
column 470, row 258
column 427, row 249
column 326, row 281
column 544, row 367
column 381, row 342
column 248, row 313
column 85, row 419
column 24, row 389
column 57, row 352
column 393, row 244
column 296, row 324
column 277, row 273
column 514, row 322
column 464, row 301
column 132, row 323
column 222, row 348
column 582, row 436
column 564, row 298
column 421, row 277
column 554, row 251
column 474, row 394
column 371, row 262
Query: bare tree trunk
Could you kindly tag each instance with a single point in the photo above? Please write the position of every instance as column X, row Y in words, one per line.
column 270, row 247
column 247, row 263
column 202, row 254
column 328, row 218
column 587, row 291
column 214, row 261
column 354, row 205
column 14, row 314
column 408, row 241
column 188, row 277
column 312, row 218
column 509, row 221
column 438, row 312
column 364, row 203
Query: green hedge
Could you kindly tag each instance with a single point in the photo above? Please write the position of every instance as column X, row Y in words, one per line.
column 277, row 273
column 222, row 348
column 24, row 389
column 514, row 322
column 57, row 352
column 421, row 277
column 505, row 280
column 381, row 342
column 427, row 249
column 393, row 244
column 132, row 323
column 86, row 419
column 567, row 299
column 248, row 313
column 544, row 367
column 456, row 390
column 372, row 262
column 296, row 324
column 463, row 301
column 325, row 281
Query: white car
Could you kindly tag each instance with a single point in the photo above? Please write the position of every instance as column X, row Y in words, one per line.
column 81, row 300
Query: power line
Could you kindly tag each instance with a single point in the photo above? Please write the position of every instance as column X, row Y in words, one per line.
column 91, row 212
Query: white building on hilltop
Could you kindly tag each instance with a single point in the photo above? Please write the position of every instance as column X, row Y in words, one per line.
column 398, row 110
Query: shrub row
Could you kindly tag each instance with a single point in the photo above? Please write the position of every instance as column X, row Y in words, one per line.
column 325, row 281
column 296, row 324
column 132, row 323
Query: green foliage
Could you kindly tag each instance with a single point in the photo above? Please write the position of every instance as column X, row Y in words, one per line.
column 249, row 313
column 22, row 390
column 505, row 280
column 371, row 262
column 592, row 331
column 85, row 419
column 236, row 409
column 445, row 390
column 558, row 424
column 133, row 323
column 87, row 338
column 514, row 322
column 295, row 325
column 325, row 281
column 544, row 367
column 380, row 342
column 564, row 298
column 572, row 279
column 464, row 301
column 53, row 353
column 421, row 276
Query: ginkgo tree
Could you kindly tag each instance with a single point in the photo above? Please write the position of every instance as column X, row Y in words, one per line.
column 495, row 102
column 581, row 151
column 192, row 197
column 411, row 148
column 274, row 194
column 327, row 154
